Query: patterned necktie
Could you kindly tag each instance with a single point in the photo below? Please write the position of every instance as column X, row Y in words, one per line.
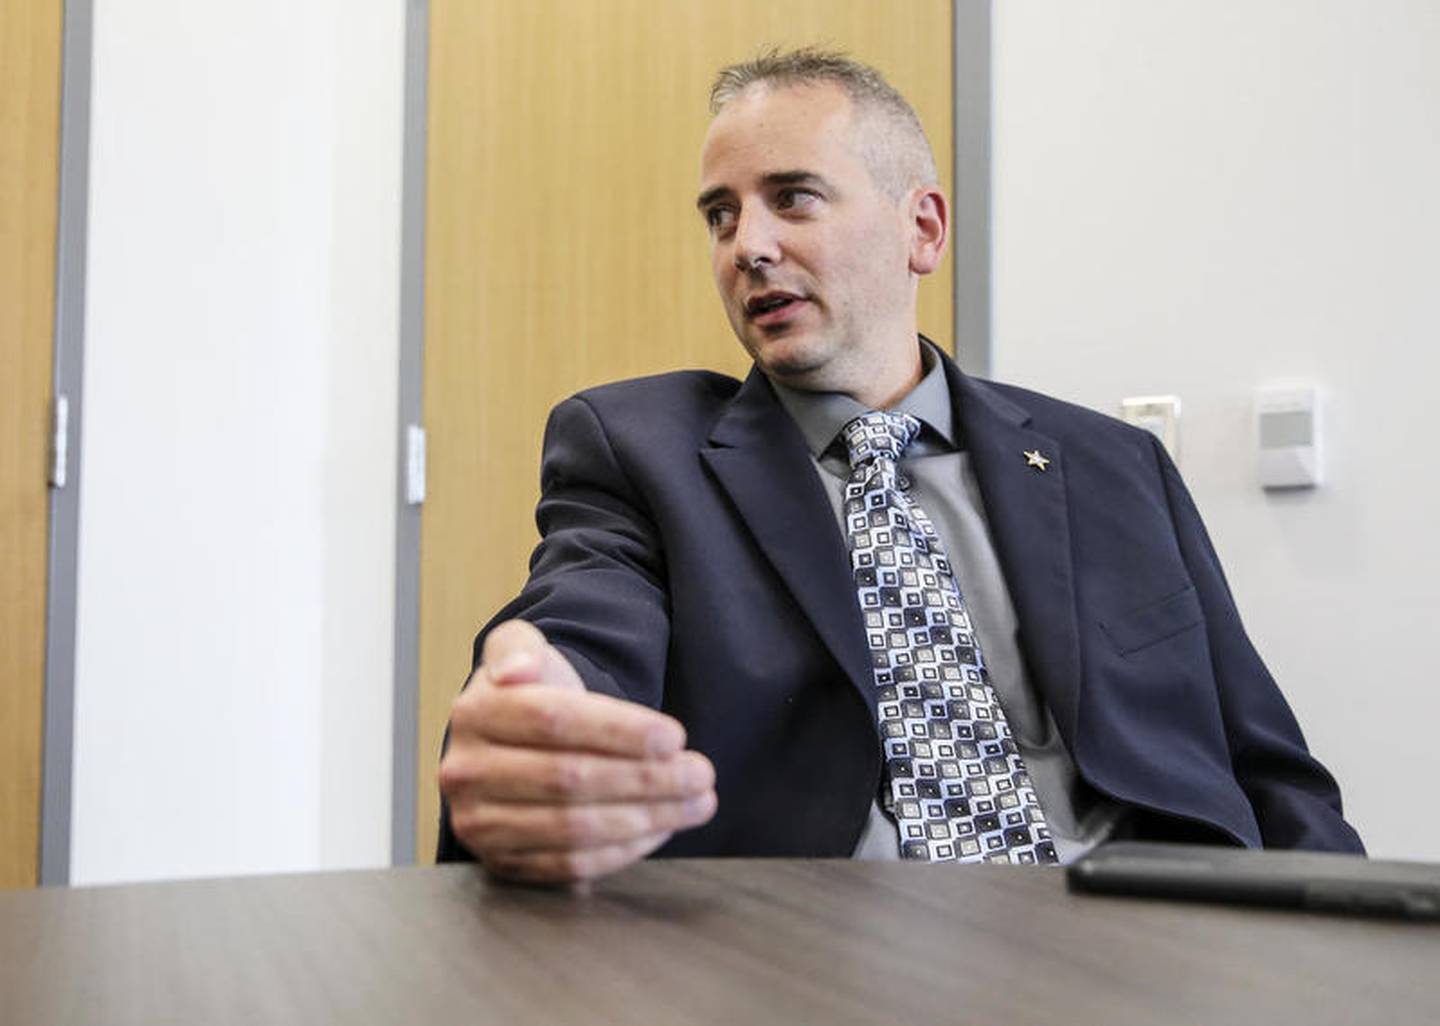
column 955, row 782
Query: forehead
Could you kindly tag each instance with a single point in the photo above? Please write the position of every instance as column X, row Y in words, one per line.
column 766, row 129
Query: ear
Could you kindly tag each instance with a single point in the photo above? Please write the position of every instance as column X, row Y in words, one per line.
column 930, row 219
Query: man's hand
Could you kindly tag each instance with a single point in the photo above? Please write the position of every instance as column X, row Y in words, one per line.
column 550, row 783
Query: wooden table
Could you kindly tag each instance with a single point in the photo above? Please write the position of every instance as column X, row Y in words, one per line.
column 734, row 942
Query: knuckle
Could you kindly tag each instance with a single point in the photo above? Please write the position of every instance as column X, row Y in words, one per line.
column 448, row 775
column 569, row 775
column 462, row 821
column 578, row 825
column 475, row 826
column 483, row 706
column 550, row 717
column 462, row 709
column 463, row 765
column 471, row 712
column 656, row 777
column 482, row 770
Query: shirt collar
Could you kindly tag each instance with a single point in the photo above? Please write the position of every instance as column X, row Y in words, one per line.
column 821, row 415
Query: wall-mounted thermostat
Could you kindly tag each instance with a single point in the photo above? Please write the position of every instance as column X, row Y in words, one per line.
column 1158, row 414
column 1288, row 419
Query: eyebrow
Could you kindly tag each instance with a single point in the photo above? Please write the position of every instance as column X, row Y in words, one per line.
column 773, row 179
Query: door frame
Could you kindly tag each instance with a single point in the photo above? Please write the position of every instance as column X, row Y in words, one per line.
column 68, row 382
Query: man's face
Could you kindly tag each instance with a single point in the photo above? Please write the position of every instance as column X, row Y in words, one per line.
column 811, row 257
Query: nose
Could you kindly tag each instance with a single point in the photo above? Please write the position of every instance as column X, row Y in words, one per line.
column 757, row 242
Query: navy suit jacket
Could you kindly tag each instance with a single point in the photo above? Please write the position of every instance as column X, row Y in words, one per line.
column 691, row 561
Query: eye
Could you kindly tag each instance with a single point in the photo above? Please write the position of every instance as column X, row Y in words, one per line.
column 719, row 217
column 796, row 199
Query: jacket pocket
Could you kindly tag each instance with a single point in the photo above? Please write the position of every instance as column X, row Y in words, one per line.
column 1151, row 624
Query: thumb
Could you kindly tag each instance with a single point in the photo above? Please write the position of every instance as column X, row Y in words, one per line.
column 516, row 652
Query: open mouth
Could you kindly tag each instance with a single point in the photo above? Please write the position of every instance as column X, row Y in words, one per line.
column 760, row 306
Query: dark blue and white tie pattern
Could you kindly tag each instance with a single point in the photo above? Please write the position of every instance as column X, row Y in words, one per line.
column 955, row 781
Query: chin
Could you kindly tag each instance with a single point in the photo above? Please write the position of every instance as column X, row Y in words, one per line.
column 790, row 356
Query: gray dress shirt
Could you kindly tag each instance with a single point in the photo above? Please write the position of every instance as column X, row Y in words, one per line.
column 943, row 484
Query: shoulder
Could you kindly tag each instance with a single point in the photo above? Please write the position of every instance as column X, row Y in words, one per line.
column 680, row 402
column 1082, row 431
column 650, row 412
column 1061, row 415
column 1048, row 409
column 983, row 400
column 685, row 387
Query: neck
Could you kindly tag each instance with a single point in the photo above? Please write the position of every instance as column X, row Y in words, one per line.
column 893, row 382
column 882, row 396
column 879, row 383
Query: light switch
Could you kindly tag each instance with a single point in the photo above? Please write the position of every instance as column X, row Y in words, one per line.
column 1158, row 414
column 1288, row 434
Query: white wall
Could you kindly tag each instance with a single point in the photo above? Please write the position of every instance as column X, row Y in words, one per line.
column 1201, row 198
column 234, row 665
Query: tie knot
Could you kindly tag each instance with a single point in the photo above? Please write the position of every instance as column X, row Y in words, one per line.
column 879, row 434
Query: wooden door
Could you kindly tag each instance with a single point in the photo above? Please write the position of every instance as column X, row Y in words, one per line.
column 563, row 250
column 29, row 155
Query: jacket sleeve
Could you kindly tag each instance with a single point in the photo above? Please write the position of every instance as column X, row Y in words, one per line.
column 1295, row 799
column 596, row 588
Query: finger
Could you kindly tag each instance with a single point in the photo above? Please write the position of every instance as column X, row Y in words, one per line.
column 502, row 773
column 555, row 718
column 516, row 652
column 494, row 828
column 571, row 866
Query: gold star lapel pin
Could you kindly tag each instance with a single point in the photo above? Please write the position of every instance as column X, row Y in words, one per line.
column 1033, row 458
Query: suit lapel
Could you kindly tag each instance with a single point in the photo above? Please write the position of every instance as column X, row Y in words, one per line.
column 1026, row 510
column 759, row 457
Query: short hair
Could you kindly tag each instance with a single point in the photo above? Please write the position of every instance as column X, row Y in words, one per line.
column 898, row 154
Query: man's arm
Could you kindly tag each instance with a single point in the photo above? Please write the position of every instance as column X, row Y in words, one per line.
column 555, row 769
column 597, row 587
column 547, row 782
column 1296, row 800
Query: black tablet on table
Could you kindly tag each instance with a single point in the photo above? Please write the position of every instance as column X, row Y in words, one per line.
column 1310, row 880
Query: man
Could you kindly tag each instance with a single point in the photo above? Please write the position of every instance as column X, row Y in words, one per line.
column 764, row 571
